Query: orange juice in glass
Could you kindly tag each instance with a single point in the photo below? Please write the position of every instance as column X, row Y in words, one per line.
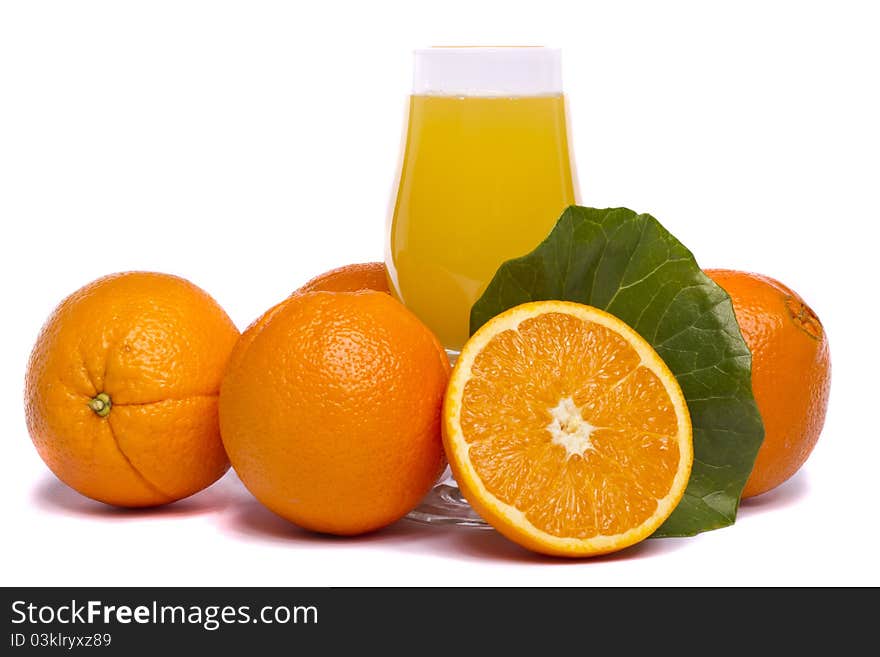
column 486, row 172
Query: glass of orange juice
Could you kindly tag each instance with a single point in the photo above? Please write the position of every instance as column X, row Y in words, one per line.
column 486, row 171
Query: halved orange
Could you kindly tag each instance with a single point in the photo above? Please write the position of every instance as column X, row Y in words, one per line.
column 565, row 430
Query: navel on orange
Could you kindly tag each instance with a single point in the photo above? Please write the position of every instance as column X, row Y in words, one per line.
column 565, row 430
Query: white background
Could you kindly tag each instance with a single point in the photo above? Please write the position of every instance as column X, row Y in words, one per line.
column 251, row 145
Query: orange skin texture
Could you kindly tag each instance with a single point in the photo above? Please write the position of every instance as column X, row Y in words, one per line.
column 791, row 372
column 158, row 346
column 351, row 278
column 330, row 410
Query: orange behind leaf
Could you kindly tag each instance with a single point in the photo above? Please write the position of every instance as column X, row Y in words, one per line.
column 791, row 372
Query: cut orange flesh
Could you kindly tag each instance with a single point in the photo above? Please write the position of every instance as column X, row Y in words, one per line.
column 565, row 430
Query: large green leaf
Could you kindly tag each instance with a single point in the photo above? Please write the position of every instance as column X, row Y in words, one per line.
column 629, row 265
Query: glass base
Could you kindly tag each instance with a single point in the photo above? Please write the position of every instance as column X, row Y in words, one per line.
column 444, row 505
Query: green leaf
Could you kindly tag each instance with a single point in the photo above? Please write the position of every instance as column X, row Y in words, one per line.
column 632, row 267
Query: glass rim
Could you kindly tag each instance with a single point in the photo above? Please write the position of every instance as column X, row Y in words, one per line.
column 474, row 49
column 487, row 71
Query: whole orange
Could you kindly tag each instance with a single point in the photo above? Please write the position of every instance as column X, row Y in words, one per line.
column 121, row 389
column 791, row 372
column 330, row 410
column 350, row 278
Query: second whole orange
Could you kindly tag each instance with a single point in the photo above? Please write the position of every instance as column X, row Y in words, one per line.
column 330, row 410
column 791, row 372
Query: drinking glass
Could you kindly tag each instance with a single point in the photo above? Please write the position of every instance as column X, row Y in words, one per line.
column 485, row 173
